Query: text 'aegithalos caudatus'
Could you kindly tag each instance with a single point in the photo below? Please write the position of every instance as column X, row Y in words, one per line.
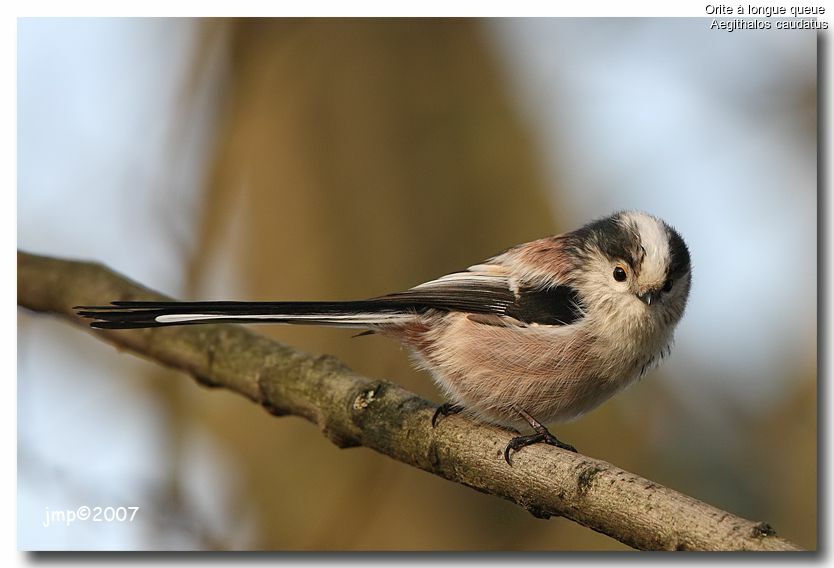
column 542, row 332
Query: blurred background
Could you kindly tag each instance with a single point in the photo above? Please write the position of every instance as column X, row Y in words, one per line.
column 341, row 159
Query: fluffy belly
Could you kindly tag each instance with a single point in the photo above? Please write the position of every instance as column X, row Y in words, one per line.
column 491, row 370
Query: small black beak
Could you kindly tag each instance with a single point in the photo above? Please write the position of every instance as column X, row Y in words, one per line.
column 648, row 297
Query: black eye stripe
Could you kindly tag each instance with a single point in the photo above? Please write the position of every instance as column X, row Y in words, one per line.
column 615, row 239
column 680, row 262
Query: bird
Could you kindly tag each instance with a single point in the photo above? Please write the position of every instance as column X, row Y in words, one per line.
column 540, row 333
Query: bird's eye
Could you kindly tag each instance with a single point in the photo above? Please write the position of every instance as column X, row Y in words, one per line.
column 620, row 274
column 667, row 285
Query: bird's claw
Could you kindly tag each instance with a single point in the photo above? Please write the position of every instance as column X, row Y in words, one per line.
column 444, row 410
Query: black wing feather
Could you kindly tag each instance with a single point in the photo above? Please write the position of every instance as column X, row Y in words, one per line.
column 558, row 305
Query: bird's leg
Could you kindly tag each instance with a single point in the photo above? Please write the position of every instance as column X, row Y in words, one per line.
column 444, row 410
column 541, row 435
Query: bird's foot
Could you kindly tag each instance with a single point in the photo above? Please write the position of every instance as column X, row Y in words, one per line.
column 444, row 410
column 542, row 436
column 539, row 437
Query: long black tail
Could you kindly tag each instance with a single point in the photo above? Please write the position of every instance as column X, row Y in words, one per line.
column 455, row 292
column 364, row 313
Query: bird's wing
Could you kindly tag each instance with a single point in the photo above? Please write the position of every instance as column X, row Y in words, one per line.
column 490, row 289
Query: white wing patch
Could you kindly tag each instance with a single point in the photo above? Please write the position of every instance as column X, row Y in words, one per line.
column 479, row 274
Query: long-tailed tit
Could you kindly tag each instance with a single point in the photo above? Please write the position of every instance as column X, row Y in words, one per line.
column 547, row 329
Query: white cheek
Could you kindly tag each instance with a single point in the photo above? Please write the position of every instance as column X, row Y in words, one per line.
column 623, row 289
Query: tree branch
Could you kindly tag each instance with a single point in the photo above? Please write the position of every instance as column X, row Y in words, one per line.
column 352, row 410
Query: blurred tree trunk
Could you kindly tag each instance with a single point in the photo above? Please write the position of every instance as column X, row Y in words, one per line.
column 353, row 158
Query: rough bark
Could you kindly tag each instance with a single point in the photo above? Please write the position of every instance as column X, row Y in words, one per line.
column 352, row 410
